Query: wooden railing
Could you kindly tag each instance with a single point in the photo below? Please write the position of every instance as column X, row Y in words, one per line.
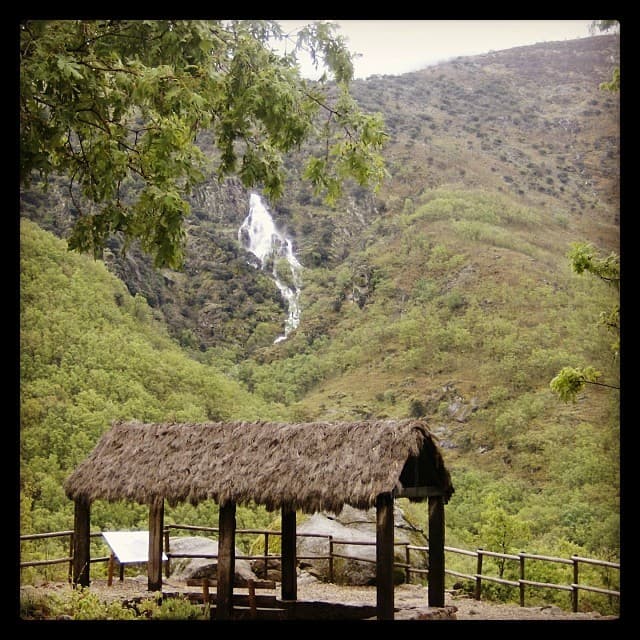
column 478, row 577
column 69, row 558
column 522, row 583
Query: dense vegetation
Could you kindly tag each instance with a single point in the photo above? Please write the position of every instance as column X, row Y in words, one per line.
column 449, row 295
column 90, row 354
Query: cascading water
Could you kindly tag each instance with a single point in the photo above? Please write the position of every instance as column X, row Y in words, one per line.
column 258, row 234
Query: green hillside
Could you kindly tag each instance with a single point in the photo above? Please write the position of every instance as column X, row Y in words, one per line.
column 469, row 309
column 90, row 353
column 450, row 294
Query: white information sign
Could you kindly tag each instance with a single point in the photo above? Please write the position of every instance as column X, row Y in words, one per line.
column 129, row 546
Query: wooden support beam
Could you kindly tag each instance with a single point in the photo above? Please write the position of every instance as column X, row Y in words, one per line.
column 417, row 492
column 289, row 577
column 156, row 526
column 436, row 551
column 81, row 542
column 384, row 556
column 226, row 561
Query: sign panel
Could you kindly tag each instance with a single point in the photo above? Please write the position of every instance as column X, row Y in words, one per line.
column 129, row 546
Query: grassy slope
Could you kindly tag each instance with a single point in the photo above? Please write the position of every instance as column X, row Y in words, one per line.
column 468, row 306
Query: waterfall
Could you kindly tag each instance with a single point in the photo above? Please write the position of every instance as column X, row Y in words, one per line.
column 259, row 235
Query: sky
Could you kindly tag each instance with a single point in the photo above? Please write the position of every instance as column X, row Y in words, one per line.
column 394, row 47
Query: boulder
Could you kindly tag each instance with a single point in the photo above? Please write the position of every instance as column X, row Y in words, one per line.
column 186, row 568
column 353, row 525
column 273, row 570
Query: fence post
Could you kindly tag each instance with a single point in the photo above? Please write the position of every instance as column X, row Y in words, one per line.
column 331, row 568
column 522, row 587
column 407, row 558
column 478, row 590
column 71, row 547
column 574, row 591
column 266, row 553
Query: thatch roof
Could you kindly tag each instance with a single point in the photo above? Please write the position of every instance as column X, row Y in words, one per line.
column 312, row 467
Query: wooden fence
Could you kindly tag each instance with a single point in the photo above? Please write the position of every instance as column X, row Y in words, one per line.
column 478, row 577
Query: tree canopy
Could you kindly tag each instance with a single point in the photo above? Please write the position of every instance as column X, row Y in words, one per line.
column 584, row 258
column 116, row 106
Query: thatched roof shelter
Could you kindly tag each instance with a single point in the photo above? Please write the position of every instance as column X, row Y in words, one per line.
column 311, row 467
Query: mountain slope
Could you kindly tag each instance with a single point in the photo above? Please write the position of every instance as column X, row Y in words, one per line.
column 450, row 294
column 447, row 294
column 91, row 353
column 530, row 122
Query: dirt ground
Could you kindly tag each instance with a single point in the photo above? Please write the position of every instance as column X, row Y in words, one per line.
column 407, row 598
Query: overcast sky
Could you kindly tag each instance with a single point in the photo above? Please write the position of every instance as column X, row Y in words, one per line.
column 394, row 47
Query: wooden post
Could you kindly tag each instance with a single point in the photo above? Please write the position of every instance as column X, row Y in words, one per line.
column 112, row 560
column 206, row 599
column 436, row 551
column 81, row 542
column 574, row 586
column 407, row 559
column 266, row 554
column 253, row 612
column 330, row 558
column 226, row 561
column 522, row 585
column 478, row 589
column 289, row 578
column 71, row 547
column 384, row 556
column 154, row 563
column 167, row 564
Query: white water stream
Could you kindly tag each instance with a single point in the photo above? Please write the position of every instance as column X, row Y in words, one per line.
column 259, row 235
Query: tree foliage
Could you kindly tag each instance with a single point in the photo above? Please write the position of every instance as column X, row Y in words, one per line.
column 502, row 532
column 117, row 106
column 604, row 26
column 584, row 258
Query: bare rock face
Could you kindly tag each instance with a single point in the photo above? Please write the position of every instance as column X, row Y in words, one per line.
column 186, row 568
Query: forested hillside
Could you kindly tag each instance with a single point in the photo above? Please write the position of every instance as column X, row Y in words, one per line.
column 91, row 353
column 447, row 294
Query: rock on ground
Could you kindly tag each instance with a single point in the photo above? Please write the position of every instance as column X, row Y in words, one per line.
column 185, row 568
